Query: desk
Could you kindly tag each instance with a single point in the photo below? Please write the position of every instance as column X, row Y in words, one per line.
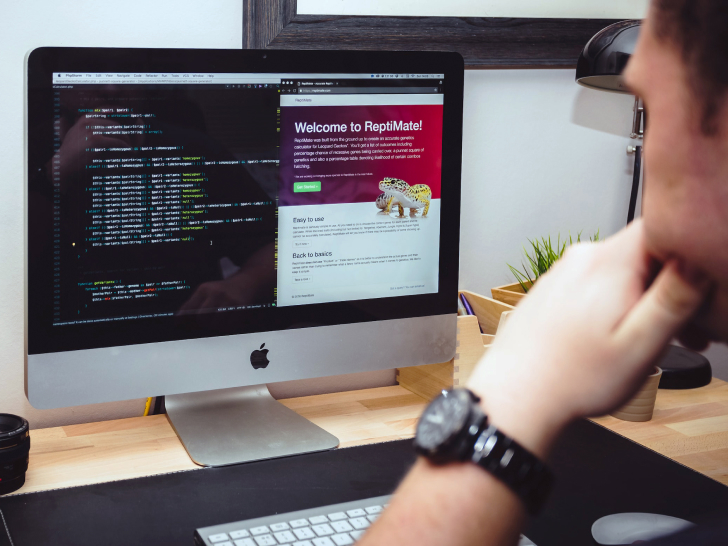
column 690, row 427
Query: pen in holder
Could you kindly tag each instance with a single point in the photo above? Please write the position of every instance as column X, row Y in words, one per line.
column 468, row 308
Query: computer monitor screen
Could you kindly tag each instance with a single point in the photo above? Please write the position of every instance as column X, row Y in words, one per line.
column 199, row 220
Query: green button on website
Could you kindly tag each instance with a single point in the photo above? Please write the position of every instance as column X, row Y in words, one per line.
column 299, row 187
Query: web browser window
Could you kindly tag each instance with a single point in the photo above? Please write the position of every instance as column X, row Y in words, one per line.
column 359, row 195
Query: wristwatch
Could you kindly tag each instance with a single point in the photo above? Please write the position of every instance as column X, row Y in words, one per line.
column 453, row 428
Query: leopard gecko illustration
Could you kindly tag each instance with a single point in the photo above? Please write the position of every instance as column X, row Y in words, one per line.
column 382, row 201
column 398, row 192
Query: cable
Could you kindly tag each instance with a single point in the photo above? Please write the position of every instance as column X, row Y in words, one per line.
column 5, row 523
column 635, row 183
column 148, row 405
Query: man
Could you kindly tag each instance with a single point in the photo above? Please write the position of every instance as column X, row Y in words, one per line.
column 619, row 302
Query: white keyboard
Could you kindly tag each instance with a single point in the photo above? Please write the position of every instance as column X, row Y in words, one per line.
column 334, row 525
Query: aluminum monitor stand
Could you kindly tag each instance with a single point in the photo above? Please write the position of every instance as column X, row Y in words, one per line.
column 240, row 425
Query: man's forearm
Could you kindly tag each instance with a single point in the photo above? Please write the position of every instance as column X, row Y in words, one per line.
column 459, row 504
column 462, row 504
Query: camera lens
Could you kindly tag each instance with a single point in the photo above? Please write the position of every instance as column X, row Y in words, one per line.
column 14, row 449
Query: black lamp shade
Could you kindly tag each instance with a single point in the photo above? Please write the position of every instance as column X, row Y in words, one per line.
column 684, row 369
column 604, row 57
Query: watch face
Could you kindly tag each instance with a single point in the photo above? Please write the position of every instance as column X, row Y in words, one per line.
column 443, row 419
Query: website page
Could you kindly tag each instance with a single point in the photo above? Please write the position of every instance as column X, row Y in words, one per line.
column 359, row 200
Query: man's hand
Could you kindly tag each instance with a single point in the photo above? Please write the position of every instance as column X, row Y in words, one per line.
column 585, row 338
column 580, row 344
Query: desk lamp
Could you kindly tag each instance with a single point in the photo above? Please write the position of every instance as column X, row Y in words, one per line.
column 600, row 67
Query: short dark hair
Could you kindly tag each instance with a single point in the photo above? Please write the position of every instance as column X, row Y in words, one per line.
column 699, row 28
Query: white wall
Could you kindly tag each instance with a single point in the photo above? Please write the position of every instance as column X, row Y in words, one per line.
column 33, row 23
column 598, row 9
column 541, row 155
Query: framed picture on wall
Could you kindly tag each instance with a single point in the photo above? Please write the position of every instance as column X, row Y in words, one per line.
column 484, row 42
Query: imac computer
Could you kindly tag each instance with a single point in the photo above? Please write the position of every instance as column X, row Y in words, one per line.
column 201, row 223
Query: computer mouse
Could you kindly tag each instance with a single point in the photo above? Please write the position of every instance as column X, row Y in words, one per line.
column 630, row 527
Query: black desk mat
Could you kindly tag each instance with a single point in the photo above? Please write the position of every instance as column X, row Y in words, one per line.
column 598, row 473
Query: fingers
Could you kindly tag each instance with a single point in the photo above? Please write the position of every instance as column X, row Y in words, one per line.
column 625, row 234
column 627, row 247
column 627, row 240
column 660, row 314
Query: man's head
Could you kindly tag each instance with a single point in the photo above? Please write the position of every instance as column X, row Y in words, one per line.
column 680, row 69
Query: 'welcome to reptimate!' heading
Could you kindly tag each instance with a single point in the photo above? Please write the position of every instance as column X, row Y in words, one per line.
column 369, row 126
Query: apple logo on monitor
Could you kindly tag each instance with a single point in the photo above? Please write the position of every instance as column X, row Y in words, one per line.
column 259, row 359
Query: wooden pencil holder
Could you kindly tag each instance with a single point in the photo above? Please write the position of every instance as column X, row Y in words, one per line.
column 642, row 404
column 430, row 380
column 510, row 293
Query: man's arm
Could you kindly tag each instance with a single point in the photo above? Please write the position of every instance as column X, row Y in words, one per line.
column 456, row 504
column 461, row 504
column 580, row 344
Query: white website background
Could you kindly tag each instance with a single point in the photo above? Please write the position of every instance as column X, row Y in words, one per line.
column 353, row 251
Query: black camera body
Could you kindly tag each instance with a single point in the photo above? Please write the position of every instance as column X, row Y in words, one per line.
column 14, row 450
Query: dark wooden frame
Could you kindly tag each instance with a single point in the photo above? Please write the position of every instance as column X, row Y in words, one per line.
column 484, row 42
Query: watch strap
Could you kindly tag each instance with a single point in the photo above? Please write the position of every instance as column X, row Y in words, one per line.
column 515, row 466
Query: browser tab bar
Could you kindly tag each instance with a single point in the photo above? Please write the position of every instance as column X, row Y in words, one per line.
column 104, row 78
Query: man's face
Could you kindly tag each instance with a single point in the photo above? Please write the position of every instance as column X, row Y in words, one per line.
column 685, row 204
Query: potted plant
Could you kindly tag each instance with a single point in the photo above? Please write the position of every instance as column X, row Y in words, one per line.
column 544, row 254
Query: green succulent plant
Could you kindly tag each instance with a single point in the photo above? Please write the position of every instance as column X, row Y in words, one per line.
column 544, row 255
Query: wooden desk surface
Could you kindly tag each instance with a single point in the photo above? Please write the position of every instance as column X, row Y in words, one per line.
column 688, row 426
